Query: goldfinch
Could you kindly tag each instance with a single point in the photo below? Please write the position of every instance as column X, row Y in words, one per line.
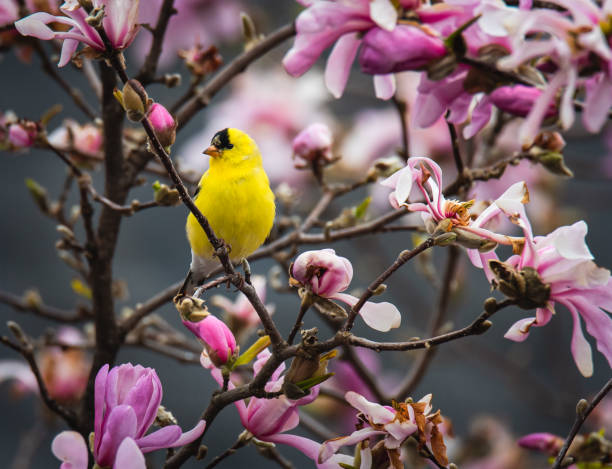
column 235, row 196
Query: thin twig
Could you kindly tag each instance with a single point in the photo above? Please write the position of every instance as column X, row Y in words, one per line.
column 235, row 67
column 306, row 303
column 27, row 351
column 273, row 454
column 403, row 257
column 420, row 365
column 240, row 443
column 581, row 416
column 402, row 110
column 51, row 70
column 454, row 138
column 147, row 72
column 42, row 310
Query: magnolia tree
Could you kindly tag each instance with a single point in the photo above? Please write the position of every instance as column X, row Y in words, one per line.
column 456, row 158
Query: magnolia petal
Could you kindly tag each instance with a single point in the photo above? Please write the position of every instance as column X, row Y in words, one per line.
column 598, row 323
column 162, row 438
column 380, row 316
column 597, row 104
column 311, row 449
column 36, row 25
column 581, row 349
column 129, row 456
column 70, row 448
column 519, row 331
column 330, row 447
column 569, row 241
column 376, row 412
column 99, row 386
column 121, row 423
column 384, row 86
column 383, row 13
column 339, row 63
column 69, row 47
column 404, row 185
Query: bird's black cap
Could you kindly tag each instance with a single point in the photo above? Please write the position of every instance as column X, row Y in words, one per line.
column 221, row 140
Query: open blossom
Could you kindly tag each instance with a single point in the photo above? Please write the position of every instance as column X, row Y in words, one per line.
column 126, row 398
column 564, row 263
column 64, row 371
column 328, row 275
column 268, row 419
column 217, row 337
column 386, row 48
column 441, row 213
column 119, row 23
column 86, row 139
column 393, row 424
column 570, row 42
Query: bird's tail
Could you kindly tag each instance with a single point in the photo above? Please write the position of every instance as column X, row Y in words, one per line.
column 199, row 271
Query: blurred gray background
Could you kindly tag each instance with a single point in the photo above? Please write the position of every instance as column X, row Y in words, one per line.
column 531, row 386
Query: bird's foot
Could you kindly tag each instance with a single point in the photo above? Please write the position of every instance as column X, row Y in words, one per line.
column 247, row 270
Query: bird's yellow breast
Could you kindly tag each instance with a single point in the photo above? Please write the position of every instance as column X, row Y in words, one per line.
column 238, row 203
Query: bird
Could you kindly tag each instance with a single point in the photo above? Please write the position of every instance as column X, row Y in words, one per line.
column 234, row 195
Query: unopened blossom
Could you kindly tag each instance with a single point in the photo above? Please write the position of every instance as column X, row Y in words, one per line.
column 327, row 275
column 344, row 24
column 217, row 337
column 22, row 134
column 545, row 442
column 564, row 262
column 394, row 425
column 126, row 401
column 119, row 24
column 240, row 314
column 163, row 123
column 314, row 143
column 406, row 47
column 85, row 139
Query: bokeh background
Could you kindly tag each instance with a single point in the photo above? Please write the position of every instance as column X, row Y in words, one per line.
column 528, row 387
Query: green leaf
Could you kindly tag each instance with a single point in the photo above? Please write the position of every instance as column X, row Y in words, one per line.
column 310, row 382
column 361, row 209
column 252, row 351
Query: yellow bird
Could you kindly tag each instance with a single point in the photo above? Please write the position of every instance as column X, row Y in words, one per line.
column 235, row 196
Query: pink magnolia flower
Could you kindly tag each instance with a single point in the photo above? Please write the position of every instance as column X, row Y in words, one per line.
column 119, row 24
column 425, row 174
column 568, row 41
column 563, row 261
column 393, row 424
column 314, row 143
column 217, row 337
column 240, row 313
column 126, row 398
column 64, row 371
column 86, row 139
column 163, row 123
column 268, row 419
column 327, row 275
column 344, row 23
column 545, row 442
column 22, row 135
column 9, row 11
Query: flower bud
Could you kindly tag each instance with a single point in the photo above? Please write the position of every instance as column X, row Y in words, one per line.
column 545, row 442
column 163, row 123
column 217, row 337
column 322, row 272
column 519, row 99
column 134, row 100
column 406, row 47
column 22, row 135
column 313, row 143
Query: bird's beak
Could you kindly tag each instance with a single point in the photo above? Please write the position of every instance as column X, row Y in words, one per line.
column 212, row 151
